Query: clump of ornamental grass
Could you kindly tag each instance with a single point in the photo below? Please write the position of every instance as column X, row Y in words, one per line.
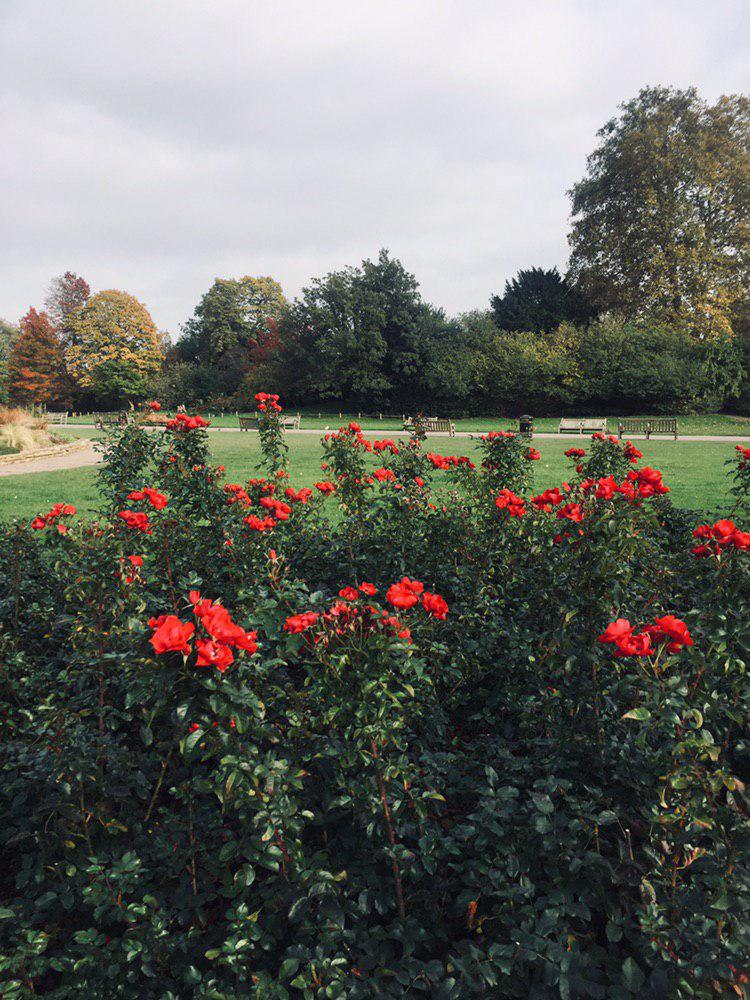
column 22, row 432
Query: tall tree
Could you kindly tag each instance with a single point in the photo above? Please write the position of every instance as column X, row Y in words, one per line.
column 363, row 336
column 539, row 301
column 67, row 294
column 8, row 335
column 115, row 347
column 660, row 221
column 36, row 367
column 234, row 326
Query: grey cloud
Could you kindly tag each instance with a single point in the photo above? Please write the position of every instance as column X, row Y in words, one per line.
column 155, row 146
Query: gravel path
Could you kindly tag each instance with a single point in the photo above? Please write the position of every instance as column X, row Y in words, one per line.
column 89, row 456
column 52, row 463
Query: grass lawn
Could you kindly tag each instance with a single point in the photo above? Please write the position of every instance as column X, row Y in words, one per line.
column 710, row 423
column 694, row 471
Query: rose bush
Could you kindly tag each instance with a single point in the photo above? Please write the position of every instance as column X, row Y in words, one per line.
column 384, row 736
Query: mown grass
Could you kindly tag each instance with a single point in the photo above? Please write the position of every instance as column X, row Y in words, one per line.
column 694, row 471
column 710, row 423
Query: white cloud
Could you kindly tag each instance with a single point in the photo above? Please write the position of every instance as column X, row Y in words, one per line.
column 154, row 146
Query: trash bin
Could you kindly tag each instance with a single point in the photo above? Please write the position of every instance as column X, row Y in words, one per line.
column 525, row 424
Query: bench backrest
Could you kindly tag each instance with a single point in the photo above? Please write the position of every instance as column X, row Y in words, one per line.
column 581, row 424
column 57, row 417
column 647, row 425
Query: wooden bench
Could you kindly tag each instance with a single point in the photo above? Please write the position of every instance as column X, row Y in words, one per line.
column 290, row 423
column 432, row 425
column 110, row 419
column 57, row 417
column 582, row 425
column 647, row 426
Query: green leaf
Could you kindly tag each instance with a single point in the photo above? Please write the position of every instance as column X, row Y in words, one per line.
column 639, row 714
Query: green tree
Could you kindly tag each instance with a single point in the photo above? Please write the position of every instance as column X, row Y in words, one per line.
column 233, row 327
column 8, row 335
column 660, row 221
column 115, row 347
column 364, row 336
column 540, row 301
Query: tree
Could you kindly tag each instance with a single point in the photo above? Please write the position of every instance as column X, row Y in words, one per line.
column 67, row 294
column 234, row 326
column 539, row 301
column 115, row 347
column 8, row 335
column 362, row 336
column 36, row 367
column 660, row 221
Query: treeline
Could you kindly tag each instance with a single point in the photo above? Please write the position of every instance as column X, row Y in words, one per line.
column 653, row 314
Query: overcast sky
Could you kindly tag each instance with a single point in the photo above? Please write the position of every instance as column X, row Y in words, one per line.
column 154, row 145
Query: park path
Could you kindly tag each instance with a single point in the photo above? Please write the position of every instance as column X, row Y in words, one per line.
column 52, row 463
column 89, row 456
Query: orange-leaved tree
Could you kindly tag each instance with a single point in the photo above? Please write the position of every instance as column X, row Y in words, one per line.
column 37, row 367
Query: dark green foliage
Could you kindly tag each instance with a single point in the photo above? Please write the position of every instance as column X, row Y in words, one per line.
column 490, row 805
column 539, row 301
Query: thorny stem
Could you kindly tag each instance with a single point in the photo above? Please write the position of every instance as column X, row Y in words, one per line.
column 391, row 834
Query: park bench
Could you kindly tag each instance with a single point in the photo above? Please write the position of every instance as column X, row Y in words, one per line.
column 647, row 426
column 289, row 423
column 110, row 419
column 57, row 417
column 582, row 425
column 432, row 425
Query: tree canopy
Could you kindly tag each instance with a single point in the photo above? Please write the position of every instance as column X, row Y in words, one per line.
column 660, row 221
column 539, row 301
column 67, row 294
column 115, row 347
column 36, row 366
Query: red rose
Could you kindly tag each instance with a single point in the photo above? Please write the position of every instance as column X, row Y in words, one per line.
column 171, row 635
column 616, row 630
column 349, row 594
column 405, row 593
column 435, row 605
column 368, row 588
column 213, row 654
column 300, row 623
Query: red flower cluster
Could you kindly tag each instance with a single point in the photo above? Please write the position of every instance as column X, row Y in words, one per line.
column 722, row 535
column 532, row 454
column 265, row 401
column 182, row 422
column 298, row 496
column 647, row 481
column 508, row 500
column 385, row 445
column 548, row 499
column 497, row 434
column 154, row 406
column 296, row 624
column 744, row 453
column 406, row 593
column 256, row 523
column 384, row 475
column 449, row 461
column 136, row 521
column 631, row 452
column 237, row 494
column 575, row 453
column 571, row 512
column 157, row 500
column 666, row 630
column 53, row 516
column 223, row 636
column 326, row 488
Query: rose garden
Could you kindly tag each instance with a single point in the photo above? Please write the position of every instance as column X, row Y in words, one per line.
column 415, row 729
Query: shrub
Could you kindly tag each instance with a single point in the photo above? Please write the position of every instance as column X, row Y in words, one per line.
column 385, row 736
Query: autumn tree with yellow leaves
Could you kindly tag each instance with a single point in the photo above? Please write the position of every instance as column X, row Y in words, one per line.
column 115, row 347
